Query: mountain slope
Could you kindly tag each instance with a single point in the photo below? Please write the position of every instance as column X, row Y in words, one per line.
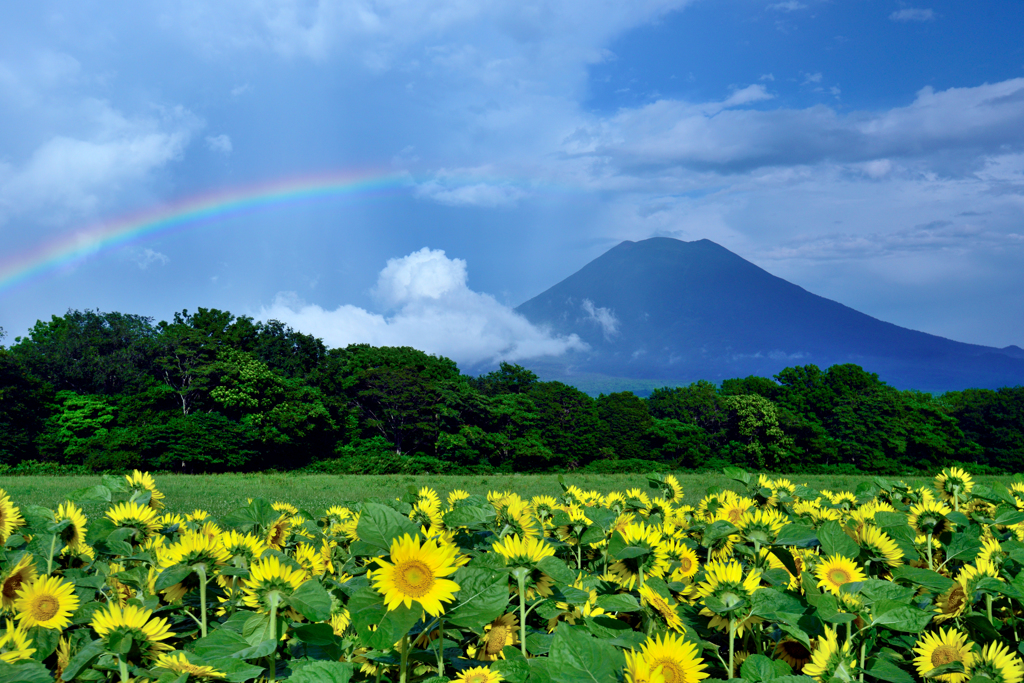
column 663, row 309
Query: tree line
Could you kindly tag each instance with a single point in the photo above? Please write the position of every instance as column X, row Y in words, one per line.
column 213, row 392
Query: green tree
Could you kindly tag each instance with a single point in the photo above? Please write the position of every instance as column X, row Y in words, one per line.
column 625, row 421
column 567, row 422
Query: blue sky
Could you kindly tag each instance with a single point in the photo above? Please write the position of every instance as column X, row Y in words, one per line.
column 870, row 151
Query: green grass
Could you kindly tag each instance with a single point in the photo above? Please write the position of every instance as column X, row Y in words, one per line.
column 220, row 493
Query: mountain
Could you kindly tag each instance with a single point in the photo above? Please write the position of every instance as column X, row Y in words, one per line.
column 664, row 311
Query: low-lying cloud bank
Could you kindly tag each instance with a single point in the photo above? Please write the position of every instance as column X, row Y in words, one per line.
column 430, row 307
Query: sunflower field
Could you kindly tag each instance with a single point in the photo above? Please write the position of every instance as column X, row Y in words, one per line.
column 780, row 584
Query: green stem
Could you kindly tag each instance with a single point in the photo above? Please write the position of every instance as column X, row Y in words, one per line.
column 849, row 633
column 201, row 570
column 405, row 659
column 49, row 559
column 579, row 555
column 988, row 608
column 123, row 666
column 732, row 645
column 930, row 550
column 520, row 574
column 863, row 651
column 956, row 498
column 274, row 597
column 440, row 649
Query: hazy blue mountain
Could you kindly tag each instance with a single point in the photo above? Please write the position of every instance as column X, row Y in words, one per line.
column 664, row 310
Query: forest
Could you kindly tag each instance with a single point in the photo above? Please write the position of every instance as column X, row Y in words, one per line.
column 213, row 392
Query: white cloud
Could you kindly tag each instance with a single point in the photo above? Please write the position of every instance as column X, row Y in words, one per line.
column 146, row 257
column 812, row 78
column 219, row 143
column 435, row 312
column 490, row 195
column 604, row 317
column 788, row 6
column 912, row 14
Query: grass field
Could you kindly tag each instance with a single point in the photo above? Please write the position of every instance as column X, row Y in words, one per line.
column 220, row 493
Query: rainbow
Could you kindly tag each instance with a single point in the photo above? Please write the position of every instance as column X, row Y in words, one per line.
column 204, row 209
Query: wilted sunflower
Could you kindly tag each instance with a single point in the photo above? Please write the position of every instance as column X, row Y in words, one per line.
column 793, row 652
column 23, row 572
column 479, row 674
column 953, row 482
column 997, row 663
column 268, row 576
column 73, row 535
column 836, row 570
column 416, row 573
column 665, row 607
column 679, row 660
column 945, row 647
column 147, row 634
column 497, row 635
column 10, row 517
column 130, row 515
column 828, row 657
column 178, row 662
column 15, row 644
column 879, row 545
column 47, row 602
column 143, row 481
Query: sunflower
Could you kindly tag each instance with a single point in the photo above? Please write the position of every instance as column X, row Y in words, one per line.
column 639, row 671
column 497, row 635
column 269, row 576
column 762, row 526
column 567, row 533
column 73, row 535
column 134, row 516
column 828, row 657
column 10, row 517
column 245, row 546
column 654, row 563
column 340, row 621
column 945, row 647
column 479, row 674
column 710, row 504
column 991, row 552
column 147, row 634
column 679, row 660
column 879, row 545
column 15, row 644
column 310, row 559
column 47, row 602
column 685, row 556
column 673, row 491
column 997, row 663
column 953, row 482
column 929, row 516
column 843, row 499
column 544, row 506
column 277, row 532
column 178, row 663
column 836, row 570
column 416, row 573
column 23, row 572
column 427, row 513
column 521, row 520
column 663, row 606
column 522, row 552
column 793, row 652
column 953, row 602
column 728, row 585
column 192, row 549
column 636, row 499
column 144, row 481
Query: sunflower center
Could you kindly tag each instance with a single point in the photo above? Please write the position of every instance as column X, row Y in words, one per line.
column 838, row 576
column 476, row 677
column 945, row 654
column 414, row 578
column 45, row 607
column 795, row 650
column 735, row 514
column 12, row 586
column 685, row 564
column 496, row 639
column 671, row 670
column 956, row 598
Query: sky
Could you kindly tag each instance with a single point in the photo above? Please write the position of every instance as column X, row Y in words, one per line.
column 870, row 151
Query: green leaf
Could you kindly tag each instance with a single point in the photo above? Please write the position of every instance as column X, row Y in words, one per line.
column 965, row 544
column 25, row 672
column 469, row 516
column 899, row 616
column 235, row 670
column 220, row 644
column 828, row 610
column 618, row 602
column 757, row 668
column 797, row 535
column 884, row 670
column 512, row 670
column 835, row 541
column 767, row 601
column 379, row 525
column 557, row 570
column 483, row 596
column 315, row 634
column 91, row 494
column 577, row 657
column 933, row 581
column 717, row 530
column 172, row 575
column 631, row 551
column 593, row 534
column 312, row 601
column 84, row 657
column 875, row 589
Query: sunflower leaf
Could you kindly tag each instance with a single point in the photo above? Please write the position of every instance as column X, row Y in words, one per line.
column 618, row 602
column 469, row 516
column 482, row 597
column 172, row 575
column 757, row 668
column 897, row 615
column 884, row 670
column 323, row 672
column 557, row 570
column 84, row 657
column 312, row 601
column 835, row 541
column 577, row 657
column 379, row 525
column 25, row 672
column 933, row 581
column 796, row 535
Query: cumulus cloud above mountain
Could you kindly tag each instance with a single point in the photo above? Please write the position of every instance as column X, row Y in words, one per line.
column 430, row 307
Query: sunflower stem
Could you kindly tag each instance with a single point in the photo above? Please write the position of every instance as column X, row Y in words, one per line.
column 929, row 548
column 579, row 555
column 49, row 558
column 274, row 597
column 956, row 498
column 988, row 608
column 863, row 651
column 440, row 648
column 403, row 672
column 520, row 575
column 732, row 645
column 123, row 666
column 201, row 570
